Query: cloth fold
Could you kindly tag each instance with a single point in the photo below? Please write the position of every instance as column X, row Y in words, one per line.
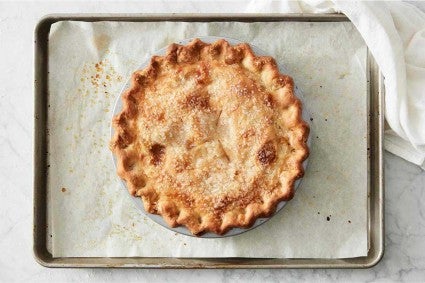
column 395, row 33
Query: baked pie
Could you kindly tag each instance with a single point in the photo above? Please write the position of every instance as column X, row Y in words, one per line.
column 210, row 136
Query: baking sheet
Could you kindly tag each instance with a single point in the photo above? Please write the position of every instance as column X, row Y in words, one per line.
column 91, row 215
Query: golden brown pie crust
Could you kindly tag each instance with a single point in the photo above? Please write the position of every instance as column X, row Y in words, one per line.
column 210, row 136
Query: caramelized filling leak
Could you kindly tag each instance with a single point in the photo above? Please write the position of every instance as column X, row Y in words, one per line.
column 267, row 154
column 197, row 101
column 157, row 151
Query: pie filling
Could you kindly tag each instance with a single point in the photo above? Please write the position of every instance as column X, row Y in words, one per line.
column 210, row 136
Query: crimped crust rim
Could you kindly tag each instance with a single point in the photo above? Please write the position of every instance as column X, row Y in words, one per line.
column 167, row 209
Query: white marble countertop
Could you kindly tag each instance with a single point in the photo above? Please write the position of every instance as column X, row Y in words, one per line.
column 404, row 257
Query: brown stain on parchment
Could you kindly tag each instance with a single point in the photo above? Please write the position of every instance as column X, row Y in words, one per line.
column 97, row 78
column 101, row 41
column 125, row 231
column 97, row 83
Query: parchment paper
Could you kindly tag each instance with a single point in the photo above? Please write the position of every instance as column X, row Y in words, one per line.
column 92, row 215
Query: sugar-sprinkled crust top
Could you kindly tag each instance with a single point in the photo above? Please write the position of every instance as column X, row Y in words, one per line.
column 210, row 136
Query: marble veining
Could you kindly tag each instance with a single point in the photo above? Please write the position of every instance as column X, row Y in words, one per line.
column 404, row 258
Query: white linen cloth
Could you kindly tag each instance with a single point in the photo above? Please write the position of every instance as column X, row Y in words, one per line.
column 395, row 33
